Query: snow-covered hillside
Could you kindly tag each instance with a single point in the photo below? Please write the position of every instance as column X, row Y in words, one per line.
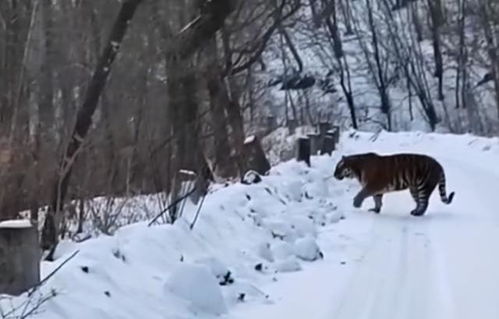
column 398, row 45
column 293, row 246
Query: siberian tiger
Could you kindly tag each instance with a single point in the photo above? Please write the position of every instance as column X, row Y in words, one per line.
column 382, row 174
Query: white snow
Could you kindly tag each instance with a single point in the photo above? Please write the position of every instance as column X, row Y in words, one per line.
column 307, row 249
column 393, row 265
column 196, row 285
column 289, row 264
column 15, row 223
column 249, row 139
column 217, row 268
column 282, row 249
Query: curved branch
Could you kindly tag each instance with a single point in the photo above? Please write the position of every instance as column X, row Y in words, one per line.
column 292, row 47
column 262, row 43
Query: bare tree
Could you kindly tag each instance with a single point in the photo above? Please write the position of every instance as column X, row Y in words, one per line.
column 84, row 121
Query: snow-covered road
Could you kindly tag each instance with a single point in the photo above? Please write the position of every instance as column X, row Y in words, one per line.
column 393, row 265
column 444, row 265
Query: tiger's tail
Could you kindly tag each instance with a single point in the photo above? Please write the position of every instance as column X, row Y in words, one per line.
column 441, row 188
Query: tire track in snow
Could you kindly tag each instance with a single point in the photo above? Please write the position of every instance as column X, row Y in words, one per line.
column 441, row 266
column 399, row 275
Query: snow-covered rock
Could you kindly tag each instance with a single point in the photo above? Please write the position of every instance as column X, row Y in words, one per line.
column 282, row 250
column 307, row 249
column 289, row 264
column 197, row 285
column 265, row 252
column 218, row 269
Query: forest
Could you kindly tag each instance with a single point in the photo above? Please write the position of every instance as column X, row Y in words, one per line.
column 113, row 98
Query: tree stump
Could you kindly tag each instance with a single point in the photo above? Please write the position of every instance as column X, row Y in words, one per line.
column 271, row 124
column 254, row 157
column 335, row 133
column 315, row 145
column 323, row 128
column 292, row 125
column 328, row 145
column 19, row 257
column 303, row 150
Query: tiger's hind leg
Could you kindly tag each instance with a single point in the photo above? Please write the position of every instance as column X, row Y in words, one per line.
column 377, row 203
column 421, row 198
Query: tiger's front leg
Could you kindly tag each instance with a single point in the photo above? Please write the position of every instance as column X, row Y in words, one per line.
column 377, row 203
column 359, row 198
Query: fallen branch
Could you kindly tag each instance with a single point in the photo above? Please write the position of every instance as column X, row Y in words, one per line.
column 198, row 211
column 175, row 202
column 35, row 288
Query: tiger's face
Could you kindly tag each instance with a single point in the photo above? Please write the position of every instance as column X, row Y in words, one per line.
column 343, row 170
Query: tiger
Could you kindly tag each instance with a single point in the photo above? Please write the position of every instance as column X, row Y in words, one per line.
column 380, row 174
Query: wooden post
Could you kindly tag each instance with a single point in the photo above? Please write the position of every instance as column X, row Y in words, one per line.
column 303, row 150
column 19, row 257
column 254, row 156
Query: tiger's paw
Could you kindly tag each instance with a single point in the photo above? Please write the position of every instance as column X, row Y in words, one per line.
column 375, row 210
column 417, row 213
column 357, row 202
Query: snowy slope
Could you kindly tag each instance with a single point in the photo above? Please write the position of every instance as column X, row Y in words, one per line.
column 392, row 265
column 315, row 48
column 255, row 232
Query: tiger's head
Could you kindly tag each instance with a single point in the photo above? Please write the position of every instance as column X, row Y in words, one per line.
column 343, row 169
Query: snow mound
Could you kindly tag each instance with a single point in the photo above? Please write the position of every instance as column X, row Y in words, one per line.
column 289, row 264
column 307, row 249
column 282, row 250
column 264, row 252
column 218, row 269
column 197, row 285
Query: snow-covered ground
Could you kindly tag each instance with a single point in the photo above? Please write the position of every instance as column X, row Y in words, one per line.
column 393, row 265
column 291, row 254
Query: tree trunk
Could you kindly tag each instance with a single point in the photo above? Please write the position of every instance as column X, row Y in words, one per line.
column 377, row 71
column 492, row 47
column 46, row 107
column 436, row 22
column 224, row 165
column 97, row 83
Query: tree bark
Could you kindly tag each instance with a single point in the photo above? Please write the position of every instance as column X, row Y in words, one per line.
column 46, row 107
column 97, row 83
column 436, row 22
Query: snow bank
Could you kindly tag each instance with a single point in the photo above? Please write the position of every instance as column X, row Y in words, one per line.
column 246, row 236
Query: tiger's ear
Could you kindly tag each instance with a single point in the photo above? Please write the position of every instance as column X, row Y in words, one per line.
column 343, row 157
